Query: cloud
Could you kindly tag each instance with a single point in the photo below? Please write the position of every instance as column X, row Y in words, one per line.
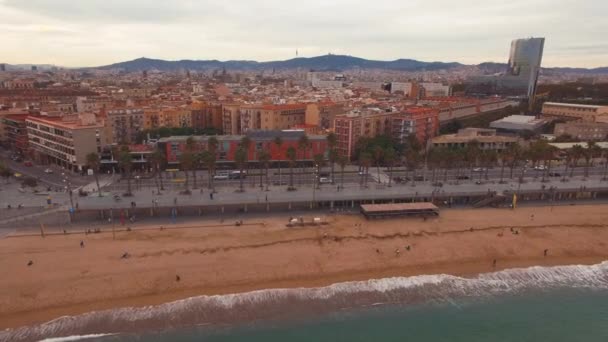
column 90, row 32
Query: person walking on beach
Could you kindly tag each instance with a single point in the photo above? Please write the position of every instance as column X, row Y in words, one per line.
column 494, row 263
column 81, row 244
column 545, row 252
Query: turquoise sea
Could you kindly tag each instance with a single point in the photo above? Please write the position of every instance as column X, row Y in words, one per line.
column 561, row 315
column 562, row 303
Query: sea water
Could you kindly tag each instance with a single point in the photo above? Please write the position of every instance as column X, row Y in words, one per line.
column 563, row 303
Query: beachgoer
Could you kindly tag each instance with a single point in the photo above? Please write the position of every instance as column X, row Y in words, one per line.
column 494, row 263
column 397, row 251
column 81, row 244
column 30, row 263
column 546, row 251
column 377, row 251
column 408, row 248
column 124, row 255
column 177, row 278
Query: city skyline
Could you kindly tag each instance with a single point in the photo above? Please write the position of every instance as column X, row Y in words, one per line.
column 105, row 32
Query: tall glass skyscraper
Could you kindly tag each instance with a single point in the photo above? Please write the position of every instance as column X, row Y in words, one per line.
column 521, row 76
column 524, row 62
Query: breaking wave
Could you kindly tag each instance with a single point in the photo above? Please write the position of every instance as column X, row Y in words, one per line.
column 280, row 303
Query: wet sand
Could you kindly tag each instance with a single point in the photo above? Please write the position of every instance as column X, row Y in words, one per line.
column 66, row 279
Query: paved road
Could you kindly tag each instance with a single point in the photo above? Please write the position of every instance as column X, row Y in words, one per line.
column 326, row 192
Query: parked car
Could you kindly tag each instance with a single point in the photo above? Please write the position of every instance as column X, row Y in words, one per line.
column 540, row 168
column 479, row 169
column 221, row 176
column 324, row 180
column 48, row 171
column 554, row 174
column 237, row 174
column 28, row 163
column 462, row 177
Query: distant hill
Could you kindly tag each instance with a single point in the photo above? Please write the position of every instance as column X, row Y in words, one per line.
column 320, row 63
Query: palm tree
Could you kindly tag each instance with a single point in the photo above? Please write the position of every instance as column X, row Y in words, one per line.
column 191, row 148
column 434, row 159
column 240, row 157
column 125, row 160
column 342, row 161
column 5, row 172
column 264, row 158
column 447, row 161
column 378, row 154
column 303, row 145
column 332, row 154
column 591, row 152
column 473, row 150
column 576, row 152
column 412, row 159
column 208, row 159
column 390, row 155
column 319, row 161
column 292, row 157
column 157, row 158
column 186, row 159
column 365, row 161
column 512, row 154
column 605, row 156
column 93, row 164
column 278, row 141
column 489, row 158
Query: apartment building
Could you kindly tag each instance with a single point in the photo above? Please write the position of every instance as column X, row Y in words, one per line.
column 421, row 122
column 322, row 114
column 206, row 115
column 354, row 125
column 65, row 141
column 485, row 138
column 231, row 119
column 272, row 117
column 572, row 111
column 583, row 131
column 177, row 117
column 15, row 131
column 124, row 125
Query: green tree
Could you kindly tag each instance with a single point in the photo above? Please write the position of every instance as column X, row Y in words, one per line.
column 332, row 153
column 292, row 157
column 158, row 160
column 303, row 146
column 319, row 161
column 125, row 161
column 278, row 141
column 93, row 164
column 195, row 158
column 186, row 160
column 264, row 160
column 240, row 157
column 591, row 152
column 208, row 160
column 390, row 156
column 5, row 173
column 365, row 161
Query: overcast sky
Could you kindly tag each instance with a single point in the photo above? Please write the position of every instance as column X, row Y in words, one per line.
column 99, row 32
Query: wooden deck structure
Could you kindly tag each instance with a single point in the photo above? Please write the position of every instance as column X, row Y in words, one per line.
column 399, row 209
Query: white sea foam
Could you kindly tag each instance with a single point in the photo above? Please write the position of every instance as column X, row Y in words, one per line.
column 278, row 302
column 75, row 338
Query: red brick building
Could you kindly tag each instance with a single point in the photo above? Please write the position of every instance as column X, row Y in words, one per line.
column 260, row 141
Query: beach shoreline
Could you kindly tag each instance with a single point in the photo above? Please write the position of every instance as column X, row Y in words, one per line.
column 66, row 279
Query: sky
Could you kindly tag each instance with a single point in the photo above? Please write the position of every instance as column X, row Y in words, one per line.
column 77, row 33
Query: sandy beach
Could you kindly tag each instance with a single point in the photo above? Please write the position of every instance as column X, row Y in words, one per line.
column 213, row 257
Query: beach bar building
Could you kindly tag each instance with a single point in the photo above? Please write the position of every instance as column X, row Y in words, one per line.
column 399, row 209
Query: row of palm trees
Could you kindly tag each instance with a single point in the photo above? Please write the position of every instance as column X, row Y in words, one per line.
column 467, row 159
column 193, row 158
